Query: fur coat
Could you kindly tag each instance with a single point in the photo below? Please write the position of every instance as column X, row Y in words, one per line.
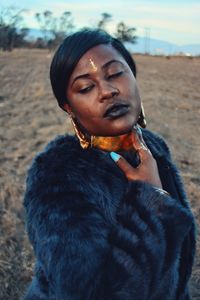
column 97, row 236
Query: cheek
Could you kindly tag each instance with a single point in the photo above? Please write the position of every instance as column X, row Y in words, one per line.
column 136, row 93
column 85, row 105
column 128, row 82
column 84, row 109
column 131, row 90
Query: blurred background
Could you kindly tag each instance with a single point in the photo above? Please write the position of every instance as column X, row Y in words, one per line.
column 164, row 38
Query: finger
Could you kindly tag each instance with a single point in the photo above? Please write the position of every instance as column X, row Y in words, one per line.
column 140, row 136
column 137, row 138
column 139, row 144
column 122, row 163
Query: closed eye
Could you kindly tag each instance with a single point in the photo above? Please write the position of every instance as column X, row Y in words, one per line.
column 86, row 90
column 115, row 75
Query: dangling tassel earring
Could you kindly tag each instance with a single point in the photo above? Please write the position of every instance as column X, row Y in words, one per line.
column 85, row 141
column 142, row 121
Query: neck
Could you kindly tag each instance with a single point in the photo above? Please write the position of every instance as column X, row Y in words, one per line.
column 113, row 143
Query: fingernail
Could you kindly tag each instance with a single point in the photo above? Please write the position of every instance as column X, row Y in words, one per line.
column 139, row 130
column 115, row 156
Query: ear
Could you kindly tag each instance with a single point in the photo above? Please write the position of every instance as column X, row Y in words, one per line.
column 66, row 107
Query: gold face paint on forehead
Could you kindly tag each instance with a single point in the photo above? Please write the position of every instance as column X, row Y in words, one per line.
column 94, row 67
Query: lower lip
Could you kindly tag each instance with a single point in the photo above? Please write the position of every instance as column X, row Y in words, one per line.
column 119, row 112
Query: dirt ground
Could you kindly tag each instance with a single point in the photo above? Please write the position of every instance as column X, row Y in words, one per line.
column 170, row 90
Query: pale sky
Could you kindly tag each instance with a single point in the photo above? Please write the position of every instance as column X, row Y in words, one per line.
column 173, row 21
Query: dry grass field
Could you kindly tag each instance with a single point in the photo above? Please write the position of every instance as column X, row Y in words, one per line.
column 170, row 90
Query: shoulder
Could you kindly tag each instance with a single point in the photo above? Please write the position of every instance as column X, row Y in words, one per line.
column 64, row 170
column 52, row 155
column 64, row 163
column 57, row 163
column 66, row 145
column 56, row 173
column 62, row 152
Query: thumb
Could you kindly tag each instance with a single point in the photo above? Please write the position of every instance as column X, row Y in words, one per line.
column 123, row 164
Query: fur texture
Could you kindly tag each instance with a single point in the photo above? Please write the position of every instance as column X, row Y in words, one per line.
column 97, row 236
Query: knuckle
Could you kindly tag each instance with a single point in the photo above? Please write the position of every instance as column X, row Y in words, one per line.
column 130, row 176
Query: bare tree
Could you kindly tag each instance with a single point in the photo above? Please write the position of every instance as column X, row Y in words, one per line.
column 125, row 33
column 45, row 20
column 12, row 33
column 104, row 21
column 54, row 28
column 66, row 23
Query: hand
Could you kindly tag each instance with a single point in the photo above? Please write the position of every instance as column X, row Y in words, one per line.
column 147, row 169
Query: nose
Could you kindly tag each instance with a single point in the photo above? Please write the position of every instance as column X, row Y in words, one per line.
column 107, row 91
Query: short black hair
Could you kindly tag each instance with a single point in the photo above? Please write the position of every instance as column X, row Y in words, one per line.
column 72, row 49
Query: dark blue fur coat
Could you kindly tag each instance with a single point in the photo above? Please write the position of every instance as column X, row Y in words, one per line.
column 97, row 236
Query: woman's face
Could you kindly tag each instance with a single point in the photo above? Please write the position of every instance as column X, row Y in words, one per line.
column 102, row 93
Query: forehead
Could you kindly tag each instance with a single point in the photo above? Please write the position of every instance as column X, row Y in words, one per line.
column 99, row 55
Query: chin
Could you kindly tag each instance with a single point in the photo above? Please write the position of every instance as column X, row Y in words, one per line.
column 121, row 132
column 123, row 126
column 118, row 129
column 114, row 127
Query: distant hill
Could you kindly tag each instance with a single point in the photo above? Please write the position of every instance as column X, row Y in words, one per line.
column 153, row 46
column 35, row 33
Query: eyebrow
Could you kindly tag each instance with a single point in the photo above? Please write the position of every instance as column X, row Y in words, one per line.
column 111, row 62
column 106, row 65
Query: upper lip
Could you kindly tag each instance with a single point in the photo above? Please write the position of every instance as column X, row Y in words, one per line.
column 110, row 107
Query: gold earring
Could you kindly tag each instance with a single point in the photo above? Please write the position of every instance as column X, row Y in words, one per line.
column 85, row 141
column 141, row 120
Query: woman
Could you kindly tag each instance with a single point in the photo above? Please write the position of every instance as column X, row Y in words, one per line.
column 106, row 210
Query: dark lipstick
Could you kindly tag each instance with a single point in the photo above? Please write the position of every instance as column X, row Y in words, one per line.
column 116, row 110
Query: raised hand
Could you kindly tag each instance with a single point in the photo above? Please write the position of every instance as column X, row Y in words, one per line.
column 147, row 170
